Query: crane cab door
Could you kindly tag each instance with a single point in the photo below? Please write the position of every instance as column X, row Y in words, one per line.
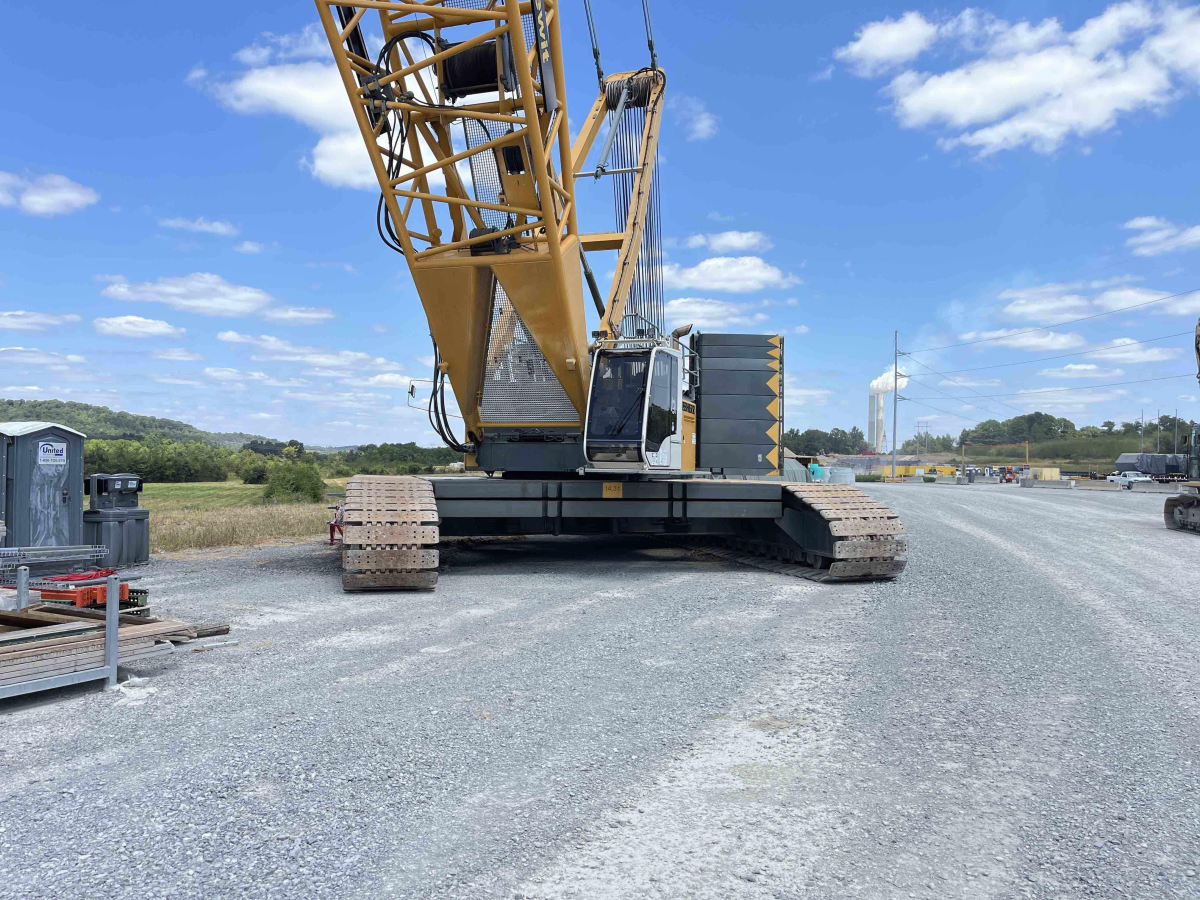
column 634, row 409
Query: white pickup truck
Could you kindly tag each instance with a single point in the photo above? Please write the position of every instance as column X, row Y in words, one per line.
column 1126, row 480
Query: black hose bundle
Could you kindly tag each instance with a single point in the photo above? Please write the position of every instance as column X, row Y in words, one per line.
column 439, row 419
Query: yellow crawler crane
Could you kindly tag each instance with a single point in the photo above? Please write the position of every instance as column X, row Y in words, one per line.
column 628, row 430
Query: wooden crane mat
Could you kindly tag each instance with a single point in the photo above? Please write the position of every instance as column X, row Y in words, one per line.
column 390, row 533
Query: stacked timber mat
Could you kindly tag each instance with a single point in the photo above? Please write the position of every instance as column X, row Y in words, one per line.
column 835, row 531
column 389, row 534
column 48, row 640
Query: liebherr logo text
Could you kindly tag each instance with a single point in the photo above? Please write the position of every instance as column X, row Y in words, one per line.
column 543, row 35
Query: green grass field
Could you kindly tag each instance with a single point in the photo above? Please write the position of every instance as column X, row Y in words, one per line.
column 207, row 514
column 200, row 495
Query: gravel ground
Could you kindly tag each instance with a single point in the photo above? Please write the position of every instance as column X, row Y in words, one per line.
column 1018, row 716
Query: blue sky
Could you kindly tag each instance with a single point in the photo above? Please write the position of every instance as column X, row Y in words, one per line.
column 188, row 233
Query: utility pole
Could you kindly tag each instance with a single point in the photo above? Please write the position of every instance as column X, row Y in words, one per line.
column 1142, row 433
column 895, row 394
column 1176, row 448
column 1158, row 436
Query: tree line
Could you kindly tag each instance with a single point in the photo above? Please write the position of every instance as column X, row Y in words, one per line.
column 160, row 459
column 1040, row 428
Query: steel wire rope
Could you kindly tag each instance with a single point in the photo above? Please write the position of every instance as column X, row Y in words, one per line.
column 952, row 397
column 967, row 387
column 939, row 409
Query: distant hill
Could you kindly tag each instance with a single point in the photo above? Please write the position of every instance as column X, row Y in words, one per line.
column 102, row 422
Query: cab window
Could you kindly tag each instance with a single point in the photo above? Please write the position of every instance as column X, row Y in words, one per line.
column 660, row 420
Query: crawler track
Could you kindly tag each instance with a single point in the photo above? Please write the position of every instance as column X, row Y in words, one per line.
column 389, row 534
column 1182, row 512
column 829, row 533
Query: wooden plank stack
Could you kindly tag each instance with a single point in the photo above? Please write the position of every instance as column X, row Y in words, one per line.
column 389, row 534
column 41, row 642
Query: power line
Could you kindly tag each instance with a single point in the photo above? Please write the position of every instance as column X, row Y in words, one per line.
column 1013, row 334
column 961, row 385
column 952, row 397
column 1029, row 362
column 1086, row 387
column 939, row 409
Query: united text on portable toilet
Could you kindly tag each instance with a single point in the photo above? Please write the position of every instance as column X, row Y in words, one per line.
column 43, row 484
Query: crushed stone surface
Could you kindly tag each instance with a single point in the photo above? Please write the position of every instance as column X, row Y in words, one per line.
column 1017, row 716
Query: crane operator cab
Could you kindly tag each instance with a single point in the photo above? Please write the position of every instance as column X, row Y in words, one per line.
column 634, row 406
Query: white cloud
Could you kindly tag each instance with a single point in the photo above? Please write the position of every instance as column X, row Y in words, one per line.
column 249, row 247
column 223, row 373
column 731, row 241
column 171, row 379
column 1157, row 236
column 969, row 382
column 177, row 354
column 1017, row 339
column 312, row 93
column 337, row 361
column 201, row 225
column 262, row 415
column 736, row 274
column 20, row 320
column 200, row 292
column 1129, row 351
column 298, row 315
column 797, row 396
column 694, row 116
column 702, row 312
column 384, row 380
column 196, row 75
column 47, row 195
column 801, row 329
column 1062, row 401
column 31, row 356
column 880, row 45
column 1032, row 85
column 287, row 382
column 1081, row 370
column 135, row 327
column 308, row 42
column 1187, row 398
column 1047, row 303
column 426, row 361
column 343, row 400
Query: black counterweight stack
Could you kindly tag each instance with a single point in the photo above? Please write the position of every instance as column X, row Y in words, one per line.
column 740, row 403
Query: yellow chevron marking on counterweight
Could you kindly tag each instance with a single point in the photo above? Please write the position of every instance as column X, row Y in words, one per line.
column 773, row 353
column 775, row 340
column 773, row 457
column 773, row 432
column 773, row 407
column 773, row 384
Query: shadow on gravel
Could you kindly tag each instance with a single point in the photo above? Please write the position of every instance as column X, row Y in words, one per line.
column 484, row 553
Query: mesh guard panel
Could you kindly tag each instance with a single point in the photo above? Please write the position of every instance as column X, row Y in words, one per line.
column 519, row 385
